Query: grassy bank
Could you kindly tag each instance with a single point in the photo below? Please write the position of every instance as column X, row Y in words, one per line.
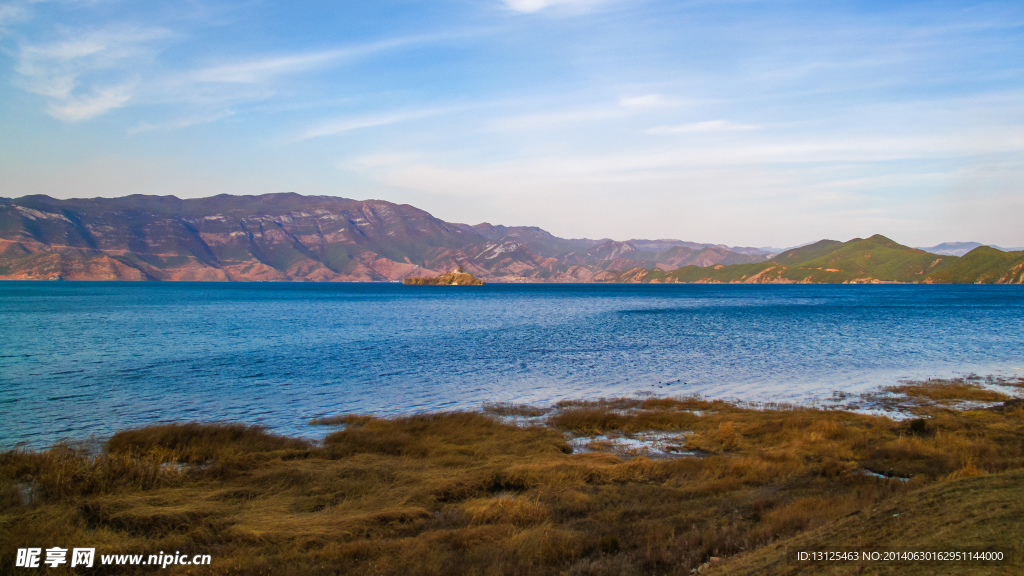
column 470, row 493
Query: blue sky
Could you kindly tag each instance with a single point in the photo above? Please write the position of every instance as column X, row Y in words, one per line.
column 739, row 122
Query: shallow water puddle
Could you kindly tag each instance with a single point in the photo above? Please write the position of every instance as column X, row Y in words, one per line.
column 653, row 445
column 867, row 472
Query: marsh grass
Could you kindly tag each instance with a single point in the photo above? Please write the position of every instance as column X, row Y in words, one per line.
column 944, row 391
column 193, row 442
column 464, row 493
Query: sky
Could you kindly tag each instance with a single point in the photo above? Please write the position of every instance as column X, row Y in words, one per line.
column 754, row 123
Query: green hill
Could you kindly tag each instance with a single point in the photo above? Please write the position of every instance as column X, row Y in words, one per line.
column 862, row 260
column 874, row 258
column 809, row 252
column 983, row 265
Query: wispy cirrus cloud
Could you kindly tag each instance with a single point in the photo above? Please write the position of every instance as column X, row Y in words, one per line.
column 706, row 126
column 99, row 100
column 677, row 107
column 649, row 101
column 529, row 6
column 90, row 72
column 178, row 123
column 673, row 164
column 602, row 111
column 340, row 126
column 703, row 184
column 264, row 69
column 10, row 13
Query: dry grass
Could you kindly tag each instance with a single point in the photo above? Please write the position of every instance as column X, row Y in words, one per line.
column 194, row 442
column 945, row 391
column 461, row 493
column 983, row 512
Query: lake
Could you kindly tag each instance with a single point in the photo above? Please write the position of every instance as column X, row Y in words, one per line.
column 82, row 358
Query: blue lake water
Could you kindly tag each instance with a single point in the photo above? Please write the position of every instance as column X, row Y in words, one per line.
column 95, row 357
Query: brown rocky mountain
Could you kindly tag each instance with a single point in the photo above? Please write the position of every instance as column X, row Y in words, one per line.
column 663, row 245
column 612, row 255
column 535, row 239
column 289, row 237
column 679, row 256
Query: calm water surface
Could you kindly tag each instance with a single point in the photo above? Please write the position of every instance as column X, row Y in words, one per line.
column 94, row 357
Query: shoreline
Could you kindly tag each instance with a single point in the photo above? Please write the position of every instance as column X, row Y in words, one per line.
column 468, row 492
column 869, row 401
column 905, row 401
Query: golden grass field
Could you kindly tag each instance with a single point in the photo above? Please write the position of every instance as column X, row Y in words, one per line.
column 468, row 493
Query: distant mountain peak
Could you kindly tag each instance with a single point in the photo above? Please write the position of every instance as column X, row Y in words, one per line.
column 962, row 248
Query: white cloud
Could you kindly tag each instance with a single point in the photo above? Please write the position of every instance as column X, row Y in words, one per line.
column 739, row 189
column 264, row 69
column 707, row 126
column 11, row 13
column 626, row 107
column 88, row 73
column 98, row 101
column 569, row 171
column 261, row 70
column 179, row 123
column 529, row 6
column 348, row 124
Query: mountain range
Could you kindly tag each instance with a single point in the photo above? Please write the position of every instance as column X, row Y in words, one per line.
column 290, row 237
column 961, row 248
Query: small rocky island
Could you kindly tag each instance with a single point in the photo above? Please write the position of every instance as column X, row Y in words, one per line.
column 457, row 277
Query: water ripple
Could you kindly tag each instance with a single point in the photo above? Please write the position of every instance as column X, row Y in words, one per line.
column 279, row 354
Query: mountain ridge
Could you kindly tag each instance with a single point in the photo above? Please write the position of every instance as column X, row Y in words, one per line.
column 291, row 237
column 873, row 260
column 961, row 248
